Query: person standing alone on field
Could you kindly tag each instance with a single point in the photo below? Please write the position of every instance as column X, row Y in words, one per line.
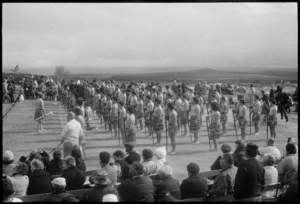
column 39, row 112
column 172, row 126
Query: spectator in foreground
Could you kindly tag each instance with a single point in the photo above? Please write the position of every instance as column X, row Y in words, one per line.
column 119, row 158
column 250, row 177
column 292, row 141
column 8, row 164
column 138, row 188
column 271, row 173
column 195, row 186
column 110, row 198
column 288, row 165
column 8, row 191
column 57, row 164
column 167, row 183
column 104, row 158
column 240, row 152
column 72, row 174
column 132, row 155
column 80, row 164
column 102, row 186
column 226, row 149
column 270, row 149
column 39, row 179
column 224, row 182
column 19, row 179
column 161, row 154
column 58, row 191
column 150, row 167
column 291, row 194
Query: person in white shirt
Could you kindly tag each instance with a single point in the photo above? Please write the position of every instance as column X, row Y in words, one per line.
column 270, row 149
column 271, row 173
column 114, row 115
column 72, row 134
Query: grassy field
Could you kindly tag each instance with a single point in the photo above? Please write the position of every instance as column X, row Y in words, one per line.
column 19, row 136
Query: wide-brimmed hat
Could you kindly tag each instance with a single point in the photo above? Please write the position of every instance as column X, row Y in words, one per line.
column 101, row 178
column 60, row 181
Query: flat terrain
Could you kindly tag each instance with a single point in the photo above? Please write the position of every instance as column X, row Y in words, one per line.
column 20, row 136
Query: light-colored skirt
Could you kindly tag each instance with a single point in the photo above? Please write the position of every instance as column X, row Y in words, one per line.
column 130, row 134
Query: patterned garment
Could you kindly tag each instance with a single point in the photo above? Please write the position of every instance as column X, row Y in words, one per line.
column 183, row 117
column 194, row 125
column 158, row 125
column 139, row 115
column 130, row 131
column 255, row 117
column 106, row 115
column 148, row 119
column 215, row 130
column 223, row 118
column 38, row 113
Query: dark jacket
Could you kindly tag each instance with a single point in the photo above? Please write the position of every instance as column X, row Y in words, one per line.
column 291, row 195
column 73, row 178
column 56, row 197
column 55, row 166
column 194, row 186
column 137, row 189
column 96, row 194
column 133, row 156
column 216, row 165
column 124, row 168
column 170, row 185
column 39, row 182
column 249, row 179
column 80, row 164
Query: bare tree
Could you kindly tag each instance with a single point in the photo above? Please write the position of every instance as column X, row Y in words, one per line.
column 61, row 73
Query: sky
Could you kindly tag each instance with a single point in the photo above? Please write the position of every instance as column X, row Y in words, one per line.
column 115, row 36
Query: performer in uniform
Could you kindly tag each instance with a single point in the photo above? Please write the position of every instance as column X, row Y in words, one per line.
column 160, row 97
column 158, row 116
column 102, row 106
column 195, row 119
column 106, row 114
column 224, row 112
column 184, row 113
column 172, row 127
column 39, row 112
column 148, row 114
column 167, row 101
column 140, row 111
column 114, row 114
column 130, row 131
column 123, row 97
column 242, row 118
column 177, row 107
column 122, row 118
column 214, row 125
column 55, row 89
column 255, row 114
column 251, row 95
column 272, row 120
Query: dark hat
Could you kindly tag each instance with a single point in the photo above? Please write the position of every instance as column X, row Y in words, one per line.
column 252, row 149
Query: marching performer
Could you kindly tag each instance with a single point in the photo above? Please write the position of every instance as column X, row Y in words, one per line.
column 242, row 118
column 122, row 118
column 172, row 126
column 130, row 131
column 140, row 111
column 272, row 120
column 255, row 114
column 102, row 106
column 133, row 103
column 167, row 101
column 177, row 107
column 195, row 119
column 148, row 114
column 251, row 96
column 214, row 125
column 224, row 112
column 106, row 114
column 184, row 113
column 158, row 116
column 160, row 97
column 39, row 112
column 153, row 95
column 114, row 114
column 123, row 96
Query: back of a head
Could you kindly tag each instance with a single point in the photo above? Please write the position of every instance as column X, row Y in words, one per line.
column 7, row 156
column 193, row 168
column 251, row 150
column 36, row 164
column 22, row 168
column 268, row 159
column 228, row 158
column 291, row 148
column 118, row 154
column 225, row 148
column 147, row 154
column 166, row 171
column 70, row 161
column 56, row 154
column 136, row 169
column 110, row 198
column 270, row 142
column 104, row 157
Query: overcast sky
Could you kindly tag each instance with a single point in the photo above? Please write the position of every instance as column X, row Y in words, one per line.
column 44, row 35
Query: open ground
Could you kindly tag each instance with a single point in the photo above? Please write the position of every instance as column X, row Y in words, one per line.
column 20, row 136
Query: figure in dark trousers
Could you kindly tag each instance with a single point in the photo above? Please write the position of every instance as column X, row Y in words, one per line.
column 281, row 99
column 172, row 126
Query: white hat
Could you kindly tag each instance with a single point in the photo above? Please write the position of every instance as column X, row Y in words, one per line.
column 166, row 170
column 161, row 153
column 59, row 181
column 110, row 198
column 7, row 155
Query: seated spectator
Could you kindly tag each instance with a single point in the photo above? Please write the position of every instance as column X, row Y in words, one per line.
column 195, row 186
column 103, row 185
column 132, row 155
column 119, row 158
column 110, row 198
column 57, row 164
column 19, row 179
column 150, row 167
column 161, row 155
column 58, row 191
column 224, row 182
column 117, row 167
column 39, row 179
column 8, row 164
column 80, row 164
column 271, row 173
column 167, row 184
column 72, row 174
column 138, row 188
column 33, row 155
column 104, row 158
column 288, row 165
column 226, row 149
column 8, row 191
column 291, row 194
column 271, row 149
column 240, row 152
column 292, row 141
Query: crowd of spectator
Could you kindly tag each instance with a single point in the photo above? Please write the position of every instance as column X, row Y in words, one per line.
column 132, row 176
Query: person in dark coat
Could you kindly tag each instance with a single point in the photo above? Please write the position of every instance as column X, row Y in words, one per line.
column 119, row 158
column 250, row 177
column 282, row 99
column 103, row 186
column 291, row 194
column 58, row 193
column 57, row 164
column 76, row 153
column 240, row 152
column 167, row 184
column 138, row 188
column 72, row 175
column 226, row 149
column 195, row 186
column 39, row 179
column 132, row 155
